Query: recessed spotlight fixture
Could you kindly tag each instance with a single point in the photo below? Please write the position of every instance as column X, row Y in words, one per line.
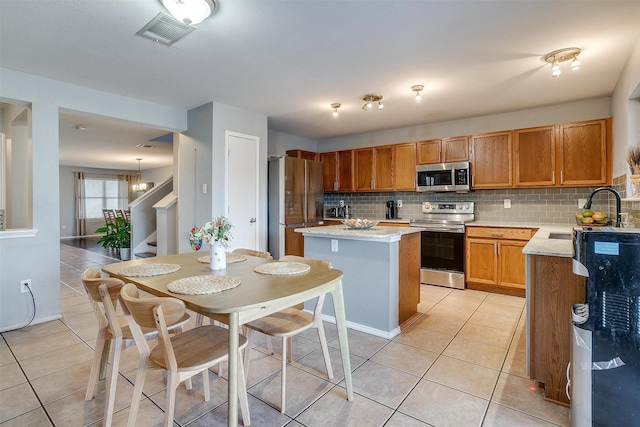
column 81, row 127
column 562, row 55
column 369, row 99
column 417, row 89
column 335, row 107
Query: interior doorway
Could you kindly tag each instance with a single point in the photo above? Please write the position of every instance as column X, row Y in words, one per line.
column 242, row 188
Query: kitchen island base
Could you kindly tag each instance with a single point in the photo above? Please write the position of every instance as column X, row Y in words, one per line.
column 381, row 275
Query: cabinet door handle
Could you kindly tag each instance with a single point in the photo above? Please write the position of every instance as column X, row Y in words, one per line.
column 498, row 249
column 553, row 177
column 335, row 186
column 373, row 183
column 497, row 233
column 561, row 176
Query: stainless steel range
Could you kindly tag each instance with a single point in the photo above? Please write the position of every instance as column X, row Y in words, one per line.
column 442, row 254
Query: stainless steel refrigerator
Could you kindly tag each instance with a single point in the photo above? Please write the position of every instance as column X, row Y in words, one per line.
column 296, row 199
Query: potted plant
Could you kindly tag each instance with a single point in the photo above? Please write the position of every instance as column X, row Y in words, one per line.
column 117, row 236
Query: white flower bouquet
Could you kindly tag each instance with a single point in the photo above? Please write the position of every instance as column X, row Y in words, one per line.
column 218, row 230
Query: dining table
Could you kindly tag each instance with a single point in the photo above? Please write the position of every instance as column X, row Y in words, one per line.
column 256, row 296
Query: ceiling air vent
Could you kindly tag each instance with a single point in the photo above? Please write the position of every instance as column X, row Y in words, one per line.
column 165, row 29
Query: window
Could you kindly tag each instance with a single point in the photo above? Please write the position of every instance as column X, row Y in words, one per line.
column 104, row 193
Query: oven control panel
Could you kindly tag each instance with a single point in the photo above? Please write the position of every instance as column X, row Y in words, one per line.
column 448, row 207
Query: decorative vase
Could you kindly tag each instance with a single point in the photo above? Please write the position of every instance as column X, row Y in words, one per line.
column 218, row 256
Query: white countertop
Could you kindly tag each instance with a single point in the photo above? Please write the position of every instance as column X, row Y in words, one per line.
column 542, row 244
column 375, row 234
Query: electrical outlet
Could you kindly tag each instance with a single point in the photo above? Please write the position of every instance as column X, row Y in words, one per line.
column 25, row 285
column 334, row 245
column 507, row 203
column 581, row 203
column 399, row 203
column 341, row 203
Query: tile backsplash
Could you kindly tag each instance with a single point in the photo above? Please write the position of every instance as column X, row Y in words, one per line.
column 548, row 205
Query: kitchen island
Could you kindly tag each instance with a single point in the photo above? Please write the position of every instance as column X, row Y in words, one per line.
column 381, row 268
column 552, row 289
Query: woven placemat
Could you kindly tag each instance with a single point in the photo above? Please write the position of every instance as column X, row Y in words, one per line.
column 148, row 270
column 231, row 258
column 200, row 285
column 281, row 268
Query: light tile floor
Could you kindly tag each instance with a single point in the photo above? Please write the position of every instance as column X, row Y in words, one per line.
column 460, row 363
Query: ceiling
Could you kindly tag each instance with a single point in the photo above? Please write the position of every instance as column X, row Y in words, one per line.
column 289, row 60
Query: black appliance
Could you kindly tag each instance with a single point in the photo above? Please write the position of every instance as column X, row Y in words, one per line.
column 442, row 255
column 605, row 362
column 392, row 210
column 443, row 177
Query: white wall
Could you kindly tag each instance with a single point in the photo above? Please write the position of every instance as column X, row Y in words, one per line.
column 563, row 113
column 38, row 258
column 280, row 142
column 625, row 110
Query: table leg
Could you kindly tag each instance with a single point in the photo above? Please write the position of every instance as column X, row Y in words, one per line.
column 232, row 416
column 341, row 323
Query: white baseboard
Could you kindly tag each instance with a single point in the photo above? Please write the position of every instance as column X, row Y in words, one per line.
column 366, row 329
column 35, row 322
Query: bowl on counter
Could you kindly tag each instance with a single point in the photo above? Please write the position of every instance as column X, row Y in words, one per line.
column 590, row 218
column 359, row 224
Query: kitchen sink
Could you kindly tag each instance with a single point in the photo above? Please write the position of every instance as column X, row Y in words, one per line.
column 560, row 236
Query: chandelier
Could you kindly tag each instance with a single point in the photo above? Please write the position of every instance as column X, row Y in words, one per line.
column 139, row 187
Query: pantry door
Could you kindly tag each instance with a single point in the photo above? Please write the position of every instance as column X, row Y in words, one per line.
column 242, row 188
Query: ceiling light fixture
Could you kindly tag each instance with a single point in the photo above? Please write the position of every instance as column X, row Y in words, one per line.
column 335, row 107
column 139, row 187
column 417, row 89
column 191, row 12
column 369, row 99
column 561, row 55
column 81, row 127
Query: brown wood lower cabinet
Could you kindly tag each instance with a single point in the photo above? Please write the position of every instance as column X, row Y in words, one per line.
column 494, row 259
column 408, row 277
column 553, row 289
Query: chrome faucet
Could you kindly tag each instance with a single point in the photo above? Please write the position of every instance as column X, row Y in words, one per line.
column 618, row 201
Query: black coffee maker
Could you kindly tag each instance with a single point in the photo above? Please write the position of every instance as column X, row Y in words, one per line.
column 392, row 210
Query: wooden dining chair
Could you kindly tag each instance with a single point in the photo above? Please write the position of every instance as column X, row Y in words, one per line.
column 114, row 331
column 182, row 356
column 286, row 324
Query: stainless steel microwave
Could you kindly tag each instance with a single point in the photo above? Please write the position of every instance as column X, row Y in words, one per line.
column 441, row 177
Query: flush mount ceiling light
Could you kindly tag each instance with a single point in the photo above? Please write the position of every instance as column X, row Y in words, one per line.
column 81, row 127
column 191, row 12
column 139, row 187
column 335, row 107
column 562, row 55
column 417, row 89
column 369, row 99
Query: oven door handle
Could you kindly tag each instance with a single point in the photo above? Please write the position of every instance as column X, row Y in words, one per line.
column 445, row 230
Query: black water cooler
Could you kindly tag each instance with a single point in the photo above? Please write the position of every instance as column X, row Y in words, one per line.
column 605, row 363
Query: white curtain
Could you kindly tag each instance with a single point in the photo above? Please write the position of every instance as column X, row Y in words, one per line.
column 81, row 211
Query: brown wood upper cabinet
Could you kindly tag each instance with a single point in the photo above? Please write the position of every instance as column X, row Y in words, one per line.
column 302, row 154
column 535, row 157
column 583, row 155
column 568, row 155
column 338, row 171
column 491, row 160
column 443, row 150
column 374, row 168
column 404, row 167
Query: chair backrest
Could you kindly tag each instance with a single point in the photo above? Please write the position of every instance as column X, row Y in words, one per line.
column 109, row 216
column 312, row 262
column 252, row 252
column 141, row 309
column 91, row 279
